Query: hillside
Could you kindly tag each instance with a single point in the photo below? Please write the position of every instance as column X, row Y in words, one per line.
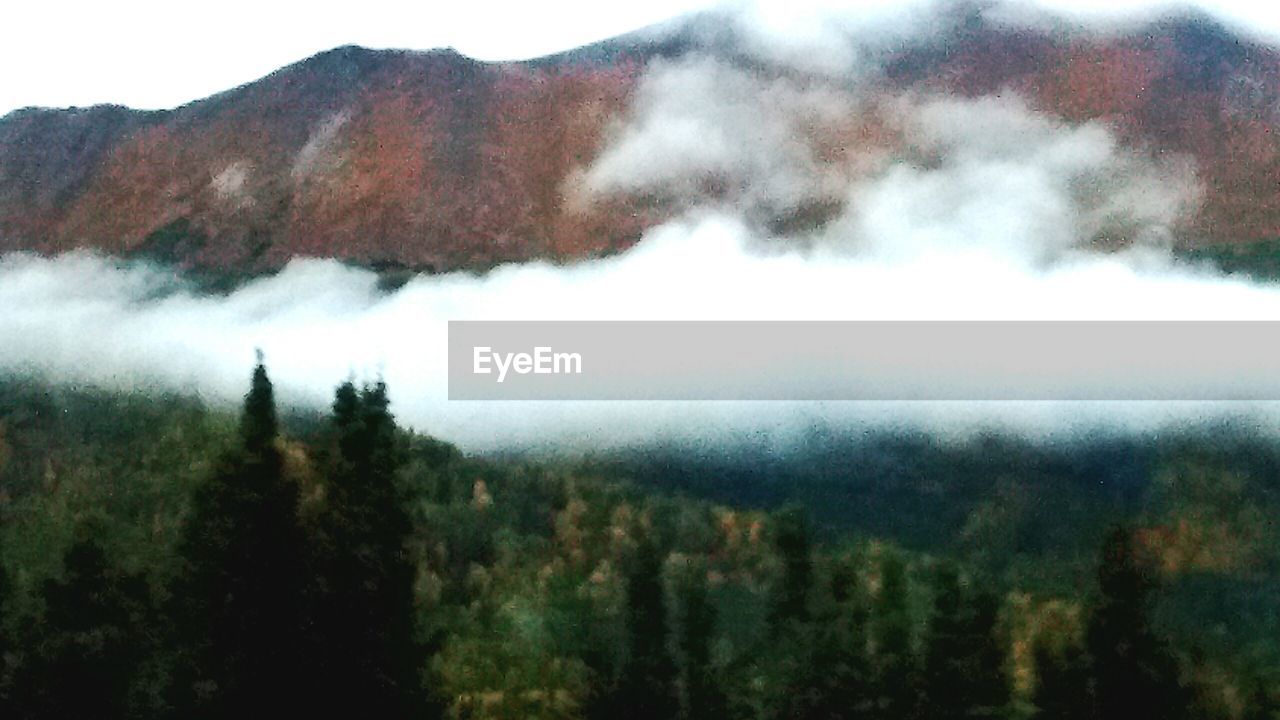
column 535, row 589
column 432, row 161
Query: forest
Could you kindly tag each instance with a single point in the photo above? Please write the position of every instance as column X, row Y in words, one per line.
column 163, row 558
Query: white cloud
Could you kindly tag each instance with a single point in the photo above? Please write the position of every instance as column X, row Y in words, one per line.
column 992, row 229
column 974, row 209
column 700, row 123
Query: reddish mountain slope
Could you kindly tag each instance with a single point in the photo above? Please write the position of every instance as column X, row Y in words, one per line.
column 431, row 160
column 421, row 159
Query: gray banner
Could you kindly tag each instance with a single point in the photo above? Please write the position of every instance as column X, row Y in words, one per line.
column 869, row 360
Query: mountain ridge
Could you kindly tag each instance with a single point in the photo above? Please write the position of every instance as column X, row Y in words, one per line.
column 429, row 160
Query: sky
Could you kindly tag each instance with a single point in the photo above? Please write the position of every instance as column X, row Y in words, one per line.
column 154, row 54
column 158, row 54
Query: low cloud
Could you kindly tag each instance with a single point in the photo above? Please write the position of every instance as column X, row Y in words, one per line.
column 701, row 127
column 796, row 194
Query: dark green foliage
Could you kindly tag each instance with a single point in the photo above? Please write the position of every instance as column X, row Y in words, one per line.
column 823, row 634
column 647, row 686
column 1259, row 260
column 176, row 243
column 541, row 591
column 1062, row 689
column 702, row 693
column 895, row 659
column 835, row 680
column 84, row 656
column 963, row 668
column 984, row 652
column 1134, row 673
column 950, row 648
column 367, row 656
column 791, row 538
column 6, row 645
column 171, row 243
column 259, row 427
column 1260, row 705
column 239, row 601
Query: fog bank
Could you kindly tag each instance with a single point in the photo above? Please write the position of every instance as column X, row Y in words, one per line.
column 943, row 208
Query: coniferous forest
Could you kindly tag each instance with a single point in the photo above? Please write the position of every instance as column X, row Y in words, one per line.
column 164, row 559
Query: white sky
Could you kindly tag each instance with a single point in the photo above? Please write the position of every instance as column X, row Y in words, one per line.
column 160, row 53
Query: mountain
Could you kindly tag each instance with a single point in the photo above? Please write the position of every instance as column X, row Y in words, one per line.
column 433, row 161
column 422, row 159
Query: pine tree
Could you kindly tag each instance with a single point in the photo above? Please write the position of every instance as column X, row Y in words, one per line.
column 647, row 688
column 896, row 677
column 791, row 539
column 835, row 679
column 1062, row 682
column 86, row 653
column 365, row 622
column 1260, row 705
column 702, row 695
column 962, row 675
column 238, row 604
column 945, row 657
column 1134, row 674
column 6, row 644
column 259, row 427
column 988, row 688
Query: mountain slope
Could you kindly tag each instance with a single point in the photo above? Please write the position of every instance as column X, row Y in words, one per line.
column 422, row 159
column 434, row 161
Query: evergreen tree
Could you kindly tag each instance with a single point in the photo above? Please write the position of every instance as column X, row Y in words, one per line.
column 1062, row 682
column 6, row 644
column 84, row 656
column 1260, row 705
column 259, row 427
column 1134, row 674
column 835, row 675
column 647, row 687
column 703, row 697
column 238, row 605
column 365, row 622
column 791, row 635
column 896, row 677
column 791, row 539
column 946, row 655
column 988, row 687
column 962, row 669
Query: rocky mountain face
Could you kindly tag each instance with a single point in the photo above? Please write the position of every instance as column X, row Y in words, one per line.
column 433, row 161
